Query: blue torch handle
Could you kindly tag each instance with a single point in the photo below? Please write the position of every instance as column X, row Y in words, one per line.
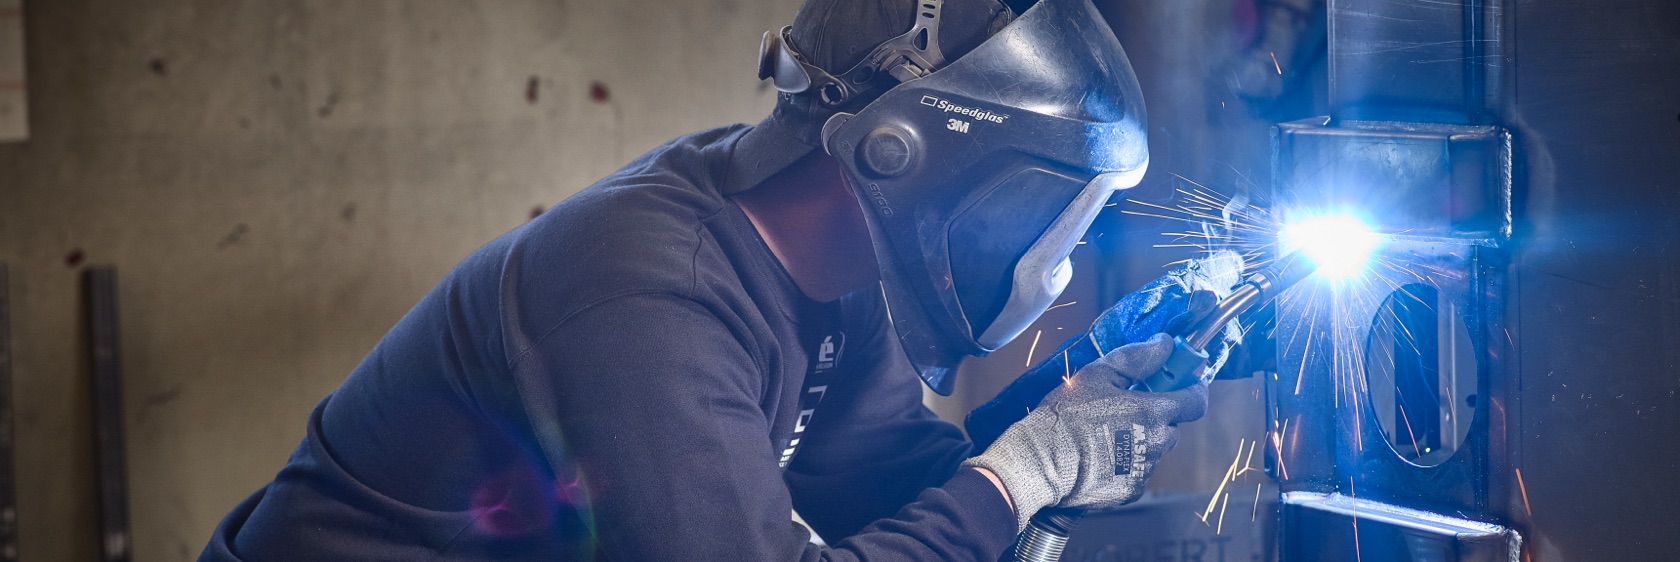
column 1182, row 369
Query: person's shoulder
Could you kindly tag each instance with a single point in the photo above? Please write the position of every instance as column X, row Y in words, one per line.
column 634, row 231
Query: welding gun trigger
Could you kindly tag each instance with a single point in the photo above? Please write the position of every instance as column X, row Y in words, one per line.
column 1182, row 369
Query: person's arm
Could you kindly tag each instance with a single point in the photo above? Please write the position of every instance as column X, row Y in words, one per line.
column 871, row 446
column 660, row 405
column 996, row 483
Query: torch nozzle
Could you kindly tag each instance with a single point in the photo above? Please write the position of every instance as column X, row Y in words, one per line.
column 1189, row 357
column 1255, row 290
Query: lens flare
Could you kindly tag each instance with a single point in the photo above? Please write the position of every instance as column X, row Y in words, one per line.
column 1339, row 244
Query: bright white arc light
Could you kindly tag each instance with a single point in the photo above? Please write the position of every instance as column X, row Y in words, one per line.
column 1339, row 244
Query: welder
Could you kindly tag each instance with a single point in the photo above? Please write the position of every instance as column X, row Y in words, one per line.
column 729, row 329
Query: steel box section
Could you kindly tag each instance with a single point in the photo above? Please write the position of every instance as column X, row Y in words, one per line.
column 1416, row 179
column 1591, row 276
column 1329, row 439
column 1427, row 61
column 1442, row 195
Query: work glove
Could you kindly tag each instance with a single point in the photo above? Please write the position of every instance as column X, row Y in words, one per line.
column 1093, row 443
column 1170, row 304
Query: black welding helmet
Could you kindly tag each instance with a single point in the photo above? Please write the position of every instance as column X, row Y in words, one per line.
column 977, row 178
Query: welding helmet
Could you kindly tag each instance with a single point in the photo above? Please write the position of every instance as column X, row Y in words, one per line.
column 978, row 177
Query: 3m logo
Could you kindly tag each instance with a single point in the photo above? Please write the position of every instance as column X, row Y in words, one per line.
column 1122, row 452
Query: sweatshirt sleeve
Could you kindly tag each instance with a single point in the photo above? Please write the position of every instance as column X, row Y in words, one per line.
column 872, row 446
column 657, row 403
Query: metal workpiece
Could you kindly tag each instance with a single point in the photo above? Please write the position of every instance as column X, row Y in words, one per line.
column 1417, row 180
column 1336, row 374
column 1388, row 383
column 1422, row 62
column 1380, row 531
column 1521, row 157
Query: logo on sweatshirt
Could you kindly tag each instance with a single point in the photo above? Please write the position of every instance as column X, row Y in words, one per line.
column 828, row 352
column 825, row 358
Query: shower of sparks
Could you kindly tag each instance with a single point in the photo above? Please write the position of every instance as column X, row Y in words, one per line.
column 1330, row 317
column 1230, row 476
column 1241, row 464
column 1214, row 224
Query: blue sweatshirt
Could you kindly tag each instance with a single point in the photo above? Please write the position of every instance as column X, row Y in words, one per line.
column 630, row 376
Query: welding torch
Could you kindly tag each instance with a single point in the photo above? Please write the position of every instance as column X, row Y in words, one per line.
column 1048, row 531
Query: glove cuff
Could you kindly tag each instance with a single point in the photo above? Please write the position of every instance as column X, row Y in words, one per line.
column 1022, row 472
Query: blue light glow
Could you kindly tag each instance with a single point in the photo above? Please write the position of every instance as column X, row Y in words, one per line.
column 1340, row 244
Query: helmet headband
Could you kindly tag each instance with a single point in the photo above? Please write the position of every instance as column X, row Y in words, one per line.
column 913, row 55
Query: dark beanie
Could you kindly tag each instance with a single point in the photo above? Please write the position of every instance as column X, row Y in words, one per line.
column 834, row 35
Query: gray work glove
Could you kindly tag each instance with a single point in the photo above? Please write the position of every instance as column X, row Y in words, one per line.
column 1170, row 304
column 1092, row 443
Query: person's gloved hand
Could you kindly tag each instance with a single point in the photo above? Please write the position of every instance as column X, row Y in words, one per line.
column 1092, row 443
column 1170, row 304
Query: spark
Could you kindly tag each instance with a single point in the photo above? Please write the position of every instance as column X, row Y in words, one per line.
column 1524, row 489
column 1275, row 62
column 1065, row 304
column 1255, row 513
column 1277, row 444
column 1303, row 374
column 1415, row 448
column 1067, row 369
column 1034, row 349
column 1356, row 555
column 1222, row 505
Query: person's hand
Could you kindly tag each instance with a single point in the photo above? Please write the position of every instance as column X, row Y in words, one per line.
column 1092, row 443
column 1170, row 304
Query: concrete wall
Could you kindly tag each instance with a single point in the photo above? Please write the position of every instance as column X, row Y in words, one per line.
column 278, row 181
